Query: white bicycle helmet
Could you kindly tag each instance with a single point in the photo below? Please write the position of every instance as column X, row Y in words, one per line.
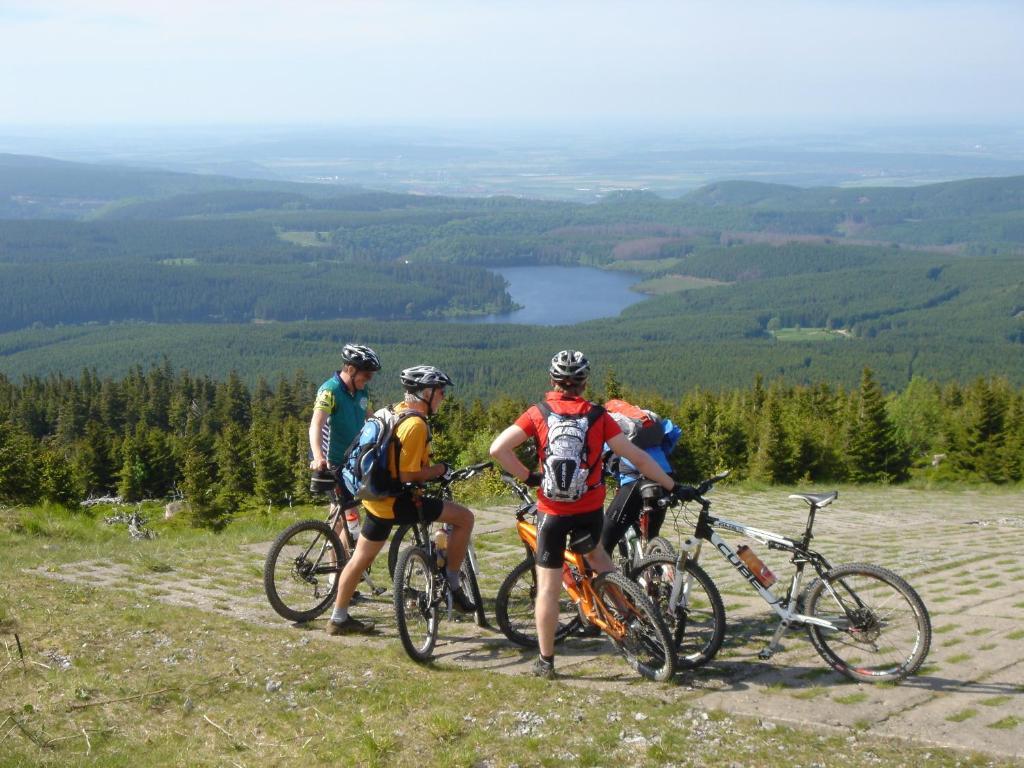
column 569, row 367
column 424, row 377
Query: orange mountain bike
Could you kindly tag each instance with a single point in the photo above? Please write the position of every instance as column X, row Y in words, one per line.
column 609, row 601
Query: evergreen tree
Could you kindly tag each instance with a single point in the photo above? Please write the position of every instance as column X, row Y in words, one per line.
column 197, row 484
column 271, row 476
column 18, row 467
column 612, row 387
column 875, row 454
column 982, row 456
column 56, row 478
column 132, row 474
column 233, row 458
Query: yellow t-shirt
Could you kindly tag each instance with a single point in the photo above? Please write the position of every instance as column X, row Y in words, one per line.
column 414, row 436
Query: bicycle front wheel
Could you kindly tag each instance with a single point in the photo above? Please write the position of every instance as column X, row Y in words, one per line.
column 696, row 621
column 881, row 628
column 515, row 604
column 416, row 611
column 659, row 545
column 646, row 645
column 300, row 574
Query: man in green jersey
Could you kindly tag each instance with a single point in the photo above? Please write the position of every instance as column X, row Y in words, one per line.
column 342, row 405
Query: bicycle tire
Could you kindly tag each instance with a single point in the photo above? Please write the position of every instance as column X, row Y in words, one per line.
column 471, row 580
column 697, row 623
column 647, row 646
column 885, row 602
column 515, row 604
column 296, row 573
column 396, row 545
column 659, row 545
column 416, row 610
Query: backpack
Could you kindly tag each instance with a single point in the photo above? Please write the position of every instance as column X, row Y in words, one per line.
column 365, row 468
column 566, row 468
column 642, row 428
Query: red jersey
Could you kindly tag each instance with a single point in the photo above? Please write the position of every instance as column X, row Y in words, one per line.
column 533, row 423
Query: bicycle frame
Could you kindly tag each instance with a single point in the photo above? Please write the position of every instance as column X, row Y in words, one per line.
column 576, row 578
column 801, row 556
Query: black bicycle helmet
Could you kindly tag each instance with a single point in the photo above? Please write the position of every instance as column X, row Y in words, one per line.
column 363, row 358
column 569, row 367
column 424, row 377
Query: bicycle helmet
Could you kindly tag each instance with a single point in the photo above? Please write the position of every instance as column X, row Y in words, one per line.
column 424, row 377
column 363, row 358
column 569, row 367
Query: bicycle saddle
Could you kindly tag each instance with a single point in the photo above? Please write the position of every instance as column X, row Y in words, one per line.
column 818, row 500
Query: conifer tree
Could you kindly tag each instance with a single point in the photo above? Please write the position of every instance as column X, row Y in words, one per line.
column 18, row 480
column 132, row 473
column 874, row 453
column 197, row 483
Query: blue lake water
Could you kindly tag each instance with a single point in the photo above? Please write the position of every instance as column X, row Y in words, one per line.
column 563, row 295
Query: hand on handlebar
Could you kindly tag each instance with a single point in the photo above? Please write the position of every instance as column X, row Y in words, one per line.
column 533, row 480
column 685, row 493
column 446, row 476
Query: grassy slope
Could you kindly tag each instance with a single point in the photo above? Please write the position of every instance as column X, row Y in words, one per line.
column 153, row 684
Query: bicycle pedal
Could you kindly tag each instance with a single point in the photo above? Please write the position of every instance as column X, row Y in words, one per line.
column 378, row 591
column 765, row 653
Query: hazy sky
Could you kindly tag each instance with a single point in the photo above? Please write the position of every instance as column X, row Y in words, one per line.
column 226, row 61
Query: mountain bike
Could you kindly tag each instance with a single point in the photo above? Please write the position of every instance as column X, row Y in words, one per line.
column 609, row 601
column 865, row 621
column 636, row 542
column 421, row 591
column 407, row 532
column 300, row 573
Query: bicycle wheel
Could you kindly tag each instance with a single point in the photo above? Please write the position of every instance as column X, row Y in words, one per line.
column 300, row 572
column 882, row 628
column 416, row 609
column 395, row 547
column 696, row 623
column 471, row 582
column 514, row 608
column 646, row 645
column 659, row 545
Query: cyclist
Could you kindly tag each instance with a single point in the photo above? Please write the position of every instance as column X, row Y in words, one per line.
column 580, row 520
column 627, row 504
column 424, row 387
column 341, row 406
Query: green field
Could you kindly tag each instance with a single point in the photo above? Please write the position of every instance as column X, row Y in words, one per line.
column 807, row 334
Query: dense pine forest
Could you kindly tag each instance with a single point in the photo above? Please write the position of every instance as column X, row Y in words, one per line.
column 226, row 447
column 106, row 268
column 840, row 335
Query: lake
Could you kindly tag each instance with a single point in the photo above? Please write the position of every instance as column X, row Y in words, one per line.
column 563, row 295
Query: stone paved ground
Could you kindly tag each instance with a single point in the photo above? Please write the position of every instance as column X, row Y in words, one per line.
column 962, row 551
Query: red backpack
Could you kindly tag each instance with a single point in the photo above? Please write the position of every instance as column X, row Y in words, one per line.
column 641, row 427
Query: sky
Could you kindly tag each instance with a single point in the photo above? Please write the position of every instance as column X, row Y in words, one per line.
column 521, row 61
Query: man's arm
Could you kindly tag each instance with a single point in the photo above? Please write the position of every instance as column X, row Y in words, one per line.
column 640, row 459
column 503, row 449
column 316, row 425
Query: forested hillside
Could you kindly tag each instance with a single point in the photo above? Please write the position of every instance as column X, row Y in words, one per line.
column 225, row 445
column 267, row 278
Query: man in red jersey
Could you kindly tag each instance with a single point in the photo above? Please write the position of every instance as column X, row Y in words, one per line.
column 570, row 433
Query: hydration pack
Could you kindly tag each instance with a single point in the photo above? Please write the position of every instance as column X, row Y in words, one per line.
column 365, row 469
column 642, row 428
column 566, row 468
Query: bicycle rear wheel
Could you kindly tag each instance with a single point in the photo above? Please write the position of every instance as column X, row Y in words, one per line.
column 515, row 604
column 696, row 622
column 398, row 542
column 471, row 583
column 300, row 572
column 659, row 545
column 882, row 628
column 416, row 608
column 646, row 645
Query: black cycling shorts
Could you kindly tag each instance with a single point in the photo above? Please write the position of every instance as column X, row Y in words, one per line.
column 408, row 509
column 583, row 532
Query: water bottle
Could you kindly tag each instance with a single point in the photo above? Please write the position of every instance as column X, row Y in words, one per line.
column 352, row 523
column 758, row 568
column 441, row 547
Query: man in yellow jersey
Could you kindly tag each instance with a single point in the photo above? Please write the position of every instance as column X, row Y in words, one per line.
column 424, row 387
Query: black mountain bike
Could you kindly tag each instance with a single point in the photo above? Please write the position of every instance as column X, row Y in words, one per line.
column 421, row 591
column 300, row 574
